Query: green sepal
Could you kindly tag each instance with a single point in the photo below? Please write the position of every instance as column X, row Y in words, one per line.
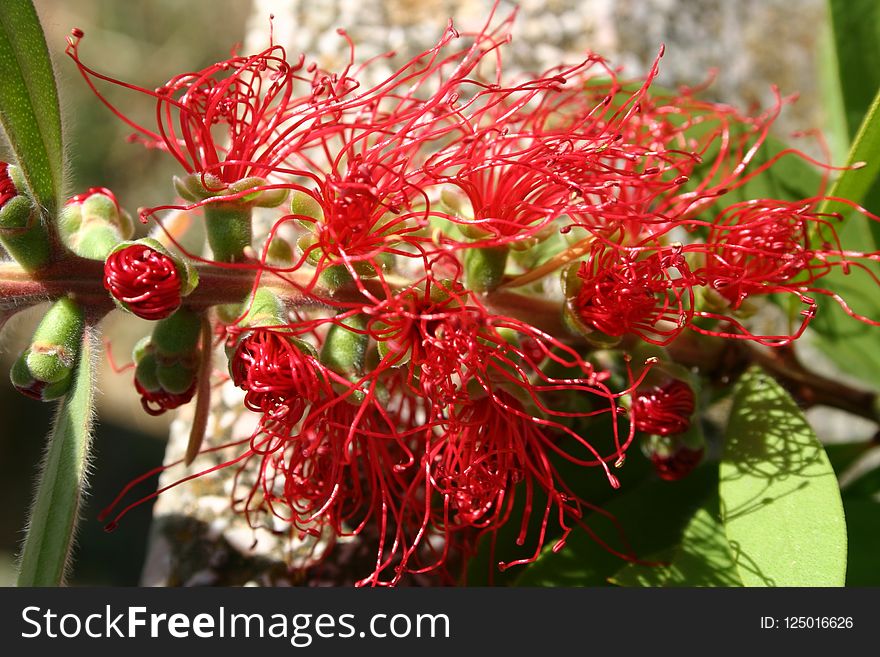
column 198, row 187
column 265, row 308
column 279, row 252
column 23, row 234
column 484, row 267
column 23, row 381
column 263, row 198
column 345, row 347
column 141, row 348
column 177, row 335
column 305, row 205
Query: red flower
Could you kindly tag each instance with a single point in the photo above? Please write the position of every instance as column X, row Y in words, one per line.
column 678, row 463
column 650, row 296
column 663, row 410
column 280, row 377
column 145, row 281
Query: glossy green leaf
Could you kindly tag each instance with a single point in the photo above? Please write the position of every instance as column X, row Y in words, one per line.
column 856, row 32
column 649, row 518
column 780, row 501
column 55, row 509
column 29, row 108
column 702, row 559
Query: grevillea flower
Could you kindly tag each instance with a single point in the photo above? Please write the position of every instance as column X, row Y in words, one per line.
column 145, row 281
column 663, row 410
column 650, row 295
column 251, row 98
column 279, row 375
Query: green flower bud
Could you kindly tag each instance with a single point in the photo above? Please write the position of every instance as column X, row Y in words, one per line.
column 145, row 372
column 178, row 335
column 43, row 371
column 23, row 234
column 175, row 378
column 345, row 347
column 92, row 223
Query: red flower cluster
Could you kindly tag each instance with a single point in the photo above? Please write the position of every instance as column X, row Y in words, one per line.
column 421, row 408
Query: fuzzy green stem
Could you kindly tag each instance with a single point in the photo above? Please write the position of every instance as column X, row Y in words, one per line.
column 54, row 514
column 229, row 231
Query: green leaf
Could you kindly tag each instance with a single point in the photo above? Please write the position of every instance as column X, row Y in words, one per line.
column 780, row 500
column 648, row 519
column 55, row 509
column 856, row 31
column 29, row 108
column 863, row 163
column 702, row 559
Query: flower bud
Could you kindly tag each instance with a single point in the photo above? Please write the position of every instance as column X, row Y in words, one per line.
column 22, row 232
column 166, row 363
column 43, row 371
column 146, row 280
column 345, row 347
column 663, row 410
column 675, row 456
column 92, row 223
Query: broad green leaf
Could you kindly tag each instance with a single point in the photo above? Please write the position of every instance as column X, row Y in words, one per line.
column 856, row 31
column 702, row 559
column 780, row 501
column 862, row 521
column 647, row 519
column 55, row 509
column 29, row 108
